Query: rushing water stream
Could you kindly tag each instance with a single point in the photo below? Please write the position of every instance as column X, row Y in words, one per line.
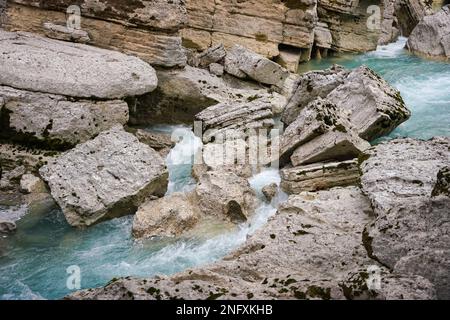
column 34, row 260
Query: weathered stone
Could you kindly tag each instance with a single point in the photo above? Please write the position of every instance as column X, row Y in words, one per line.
column 442, row 186
column 289, row 59
column 331, row 146
column 7, row 227
column 270, row 191
column 32, row 159
column 410, row 234
column 410, row 12
column 60, row 32
column 56, row 121
column 168, row 216
column 311, row 249
column 161, row 142
column 75, row 70
column 431, row 37
column 212, row 55
column 216, row 69
column 373, row 106
column 310, row 86
column 11, row 177
column 105, row 177
column 320, row 176
column 389, row 24
column 181, row 94
column 322, row 36
column 223, row 118
column 243, row 63
column 29, row 183
column 147, row 29
column 225, row 195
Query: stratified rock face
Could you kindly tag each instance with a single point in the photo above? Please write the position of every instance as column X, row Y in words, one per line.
column 389, row 25
column 312, row 249
column 222, row 118
column 320, row 176
column 105, row 177
column 374, row 108
column 34, row 63
column 145, row 28
column 225, row 195
column 410, row 12
column 431, row 37
column 411, row 233
column 169, row 216
column 242, row 63
column 54, row 120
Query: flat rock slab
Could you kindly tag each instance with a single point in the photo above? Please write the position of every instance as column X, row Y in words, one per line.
column 106, row 177
column 34, row 63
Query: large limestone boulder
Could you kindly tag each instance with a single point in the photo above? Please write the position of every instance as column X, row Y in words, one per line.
column 169, row 216
column 431, row 37
column 311, row 249
column 410, row 234
column 225, row 195
column 54, row 120
column 410, row 12
column 373, row 106
column 310, row 86
column 243, row 63
column 320, row 133
column 105, row 177
column 33, row 63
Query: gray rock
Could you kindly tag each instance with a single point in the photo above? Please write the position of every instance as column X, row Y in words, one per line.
column 322, row 36
column 225, row 195
column 411, row 234
column 243, row 63
column 431, row 37
column 223, row 118
column 311, row 249
column 75, row 70
column 32, row 159
column 105, row 177
column 169, row 216
column 29, row 183
column 320, row 176
column 182, row 93
column 161, row 142
column 11, row 177
column 60, row 32
column 216, row 69
column 410, row 12
column 7, row 227
column 211, row 55
column 442, row 186
column 54, row 120
column 310, row 86
column 270, row 191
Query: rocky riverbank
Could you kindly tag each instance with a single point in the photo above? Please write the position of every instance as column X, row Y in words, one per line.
column 360, row 221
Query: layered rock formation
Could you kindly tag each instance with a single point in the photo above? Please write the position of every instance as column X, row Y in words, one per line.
column 431, row 37
column 148, row 29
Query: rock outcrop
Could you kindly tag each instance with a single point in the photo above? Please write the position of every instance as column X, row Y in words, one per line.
column 411, row 232
column 108, row 176
column 183, row 93
column 148, row 29
column 75, row 70
column 312, row 249
column 373, row 107
column 169, row 216
column 431, row 37
column 410, row 12
column 56, row 121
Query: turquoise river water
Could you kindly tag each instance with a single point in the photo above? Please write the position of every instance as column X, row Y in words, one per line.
column 34, row 261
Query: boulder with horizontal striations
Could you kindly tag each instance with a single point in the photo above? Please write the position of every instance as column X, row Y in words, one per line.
column 243, row 63
column 106, row 177
column 34, row 63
